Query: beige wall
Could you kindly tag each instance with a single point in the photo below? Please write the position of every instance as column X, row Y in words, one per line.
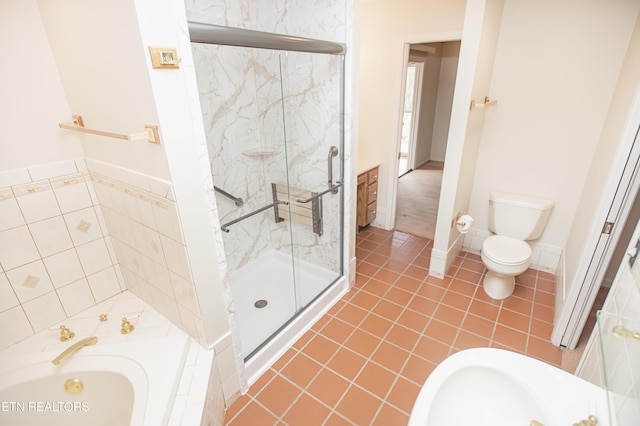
column 386, row 25
column 101, row 64
column 447, row 80
column 33, row 100
column 553, row 89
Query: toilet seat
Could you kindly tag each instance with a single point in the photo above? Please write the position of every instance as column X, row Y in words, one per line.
column 506, row 251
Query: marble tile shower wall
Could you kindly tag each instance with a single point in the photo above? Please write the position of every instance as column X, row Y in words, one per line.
column 311, row 103
column 248, row 98
column 56, row 257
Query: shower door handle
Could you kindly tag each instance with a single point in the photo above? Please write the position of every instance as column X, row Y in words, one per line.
column 333, row 151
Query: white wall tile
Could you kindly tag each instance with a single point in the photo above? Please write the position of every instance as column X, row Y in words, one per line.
column 104, row 284
column 64, row 268
column 20, row 327
column 146, row 213
column 94, row 256
column 51, row 236
column 30, row 281
column 81, row 164
column 159, row 277
column 76, row 297
column 152, row 245
column 160, row 187
column 44, row 311
column 8, row 297
column 163, row 219
column 17, row 248
column 185, row 293
column 50, row 170
column 14, row 177
column 37, row 201
column 83, row 226
column 227, row 362
column 10, row 214
column 176, row 257
column 72, row 196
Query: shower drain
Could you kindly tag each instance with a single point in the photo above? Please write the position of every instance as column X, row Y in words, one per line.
column 260, row 303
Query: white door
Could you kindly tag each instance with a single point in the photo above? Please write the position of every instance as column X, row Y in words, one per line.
column 573, row 313
column 410, row 113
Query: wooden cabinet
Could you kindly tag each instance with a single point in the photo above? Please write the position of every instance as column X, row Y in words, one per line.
column 367, row 197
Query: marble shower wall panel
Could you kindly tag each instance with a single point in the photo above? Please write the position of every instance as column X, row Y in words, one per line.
column 321, row 19
column 325, row 19
column 240, row 98
column 311, row 98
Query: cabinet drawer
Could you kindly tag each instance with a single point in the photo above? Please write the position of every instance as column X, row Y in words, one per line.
column 372, row 175
column 371, row 212
column 362, row 178
column 372, row 193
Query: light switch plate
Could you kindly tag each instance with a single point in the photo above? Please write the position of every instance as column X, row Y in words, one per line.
column 164, row 57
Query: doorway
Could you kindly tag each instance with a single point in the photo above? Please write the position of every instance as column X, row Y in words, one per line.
column 430, row 74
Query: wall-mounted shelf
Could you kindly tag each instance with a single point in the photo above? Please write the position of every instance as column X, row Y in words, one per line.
column 150, row 132
column 260, row 151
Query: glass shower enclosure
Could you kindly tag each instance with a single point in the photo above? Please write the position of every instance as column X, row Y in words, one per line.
column 273, row 113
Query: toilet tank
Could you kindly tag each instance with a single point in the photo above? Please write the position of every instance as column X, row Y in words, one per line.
column 518, row 216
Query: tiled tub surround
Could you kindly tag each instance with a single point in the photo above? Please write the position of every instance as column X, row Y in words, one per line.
column 56, row 257
column 141, row 216
column 196, row 386
column 77, row 232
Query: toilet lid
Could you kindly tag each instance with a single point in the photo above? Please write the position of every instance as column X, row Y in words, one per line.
column 506, row 250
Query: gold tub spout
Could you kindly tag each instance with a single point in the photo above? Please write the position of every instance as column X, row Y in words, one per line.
column 89, row 341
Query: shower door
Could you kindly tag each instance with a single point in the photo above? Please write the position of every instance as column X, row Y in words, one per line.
column 313, row 130
column 271, row 118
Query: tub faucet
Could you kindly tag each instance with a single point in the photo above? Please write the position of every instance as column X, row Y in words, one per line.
column 89, row 341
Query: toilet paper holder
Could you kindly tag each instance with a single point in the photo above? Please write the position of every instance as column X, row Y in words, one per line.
column 463, row 223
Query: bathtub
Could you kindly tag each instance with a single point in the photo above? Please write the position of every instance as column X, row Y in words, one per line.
column 130, row 383
column 495, row 387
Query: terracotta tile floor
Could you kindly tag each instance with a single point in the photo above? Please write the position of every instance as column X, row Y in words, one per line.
column 365, row 360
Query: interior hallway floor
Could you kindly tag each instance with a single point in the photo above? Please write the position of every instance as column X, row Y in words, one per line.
column 417, row 200
column 363, row 362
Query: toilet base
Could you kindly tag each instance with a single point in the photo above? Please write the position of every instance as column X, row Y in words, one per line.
column 498, row 286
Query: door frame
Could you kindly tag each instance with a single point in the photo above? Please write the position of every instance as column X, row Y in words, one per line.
column 619, row 194
column 393, row 181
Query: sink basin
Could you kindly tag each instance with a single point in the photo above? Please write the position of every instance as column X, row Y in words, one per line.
column 488, row 386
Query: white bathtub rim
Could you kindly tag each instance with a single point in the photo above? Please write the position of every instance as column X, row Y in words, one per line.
column 160, row 361
column 543, row 381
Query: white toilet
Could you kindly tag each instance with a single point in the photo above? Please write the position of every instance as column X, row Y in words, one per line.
column 514, row 219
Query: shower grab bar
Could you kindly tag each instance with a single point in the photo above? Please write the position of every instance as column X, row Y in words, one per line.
column 237, row 200
column 333, row 151
column 320, row 194
column 248, row 215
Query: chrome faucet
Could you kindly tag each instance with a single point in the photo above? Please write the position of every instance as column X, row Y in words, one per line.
column 89, row 341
